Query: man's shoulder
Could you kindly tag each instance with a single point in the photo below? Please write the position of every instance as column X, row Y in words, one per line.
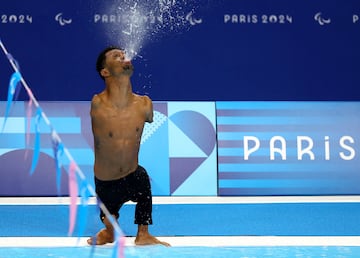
column 95, row 101
column 143, row 97
column 95, row 98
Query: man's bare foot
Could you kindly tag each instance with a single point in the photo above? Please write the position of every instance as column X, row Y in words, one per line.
column 102, row 238
column 149, row 240
column 143, row 237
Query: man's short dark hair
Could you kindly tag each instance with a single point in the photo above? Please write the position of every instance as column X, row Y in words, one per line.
column 100, row 63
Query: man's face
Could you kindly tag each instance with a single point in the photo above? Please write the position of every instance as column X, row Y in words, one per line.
column 116, row 64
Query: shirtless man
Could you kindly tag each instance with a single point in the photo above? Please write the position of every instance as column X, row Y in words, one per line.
column 118, row 117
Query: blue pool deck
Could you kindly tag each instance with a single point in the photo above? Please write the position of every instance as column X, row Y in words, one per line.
column 326, row 226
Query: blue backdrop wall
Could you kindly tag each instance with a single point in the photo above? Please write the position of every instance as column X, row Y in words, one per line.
column 215, row 70
column 188, row 50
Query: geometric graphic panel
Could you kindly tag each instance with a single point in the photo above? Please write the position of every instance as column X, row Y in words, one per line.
column 181, row 145
column 288, row 148
column 181, row 169
column 154, row 153
column 174, row 153
column 197, row 127
column 71, row 121
column 192, row 141
column 16, row 180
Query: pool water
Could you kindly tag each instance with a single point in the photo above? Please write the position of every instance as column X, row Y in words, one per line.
column 188, row 252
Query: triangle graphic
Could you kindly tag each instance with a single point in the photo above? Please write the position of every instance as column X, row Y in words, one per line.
column 181, row 169
column 180, row 145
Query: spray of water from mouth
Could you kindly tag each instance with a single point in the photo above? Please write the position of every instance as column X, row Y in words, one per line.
column 126, row 27
column 133, row 23
column 134, row 31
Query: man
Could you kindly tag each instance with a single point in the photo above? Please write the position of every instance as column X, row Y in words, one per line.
column 118, row 117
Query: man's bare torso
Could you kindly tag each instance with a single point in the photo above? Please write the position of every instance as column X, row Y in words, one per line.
column 117, row 134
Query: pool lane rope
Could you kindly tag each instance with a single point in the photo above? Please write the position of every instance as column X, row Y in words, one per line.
column 78, row 185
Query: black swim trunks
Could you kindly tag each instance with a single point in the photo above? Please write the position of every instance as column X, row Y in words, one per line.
column 134, row 187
